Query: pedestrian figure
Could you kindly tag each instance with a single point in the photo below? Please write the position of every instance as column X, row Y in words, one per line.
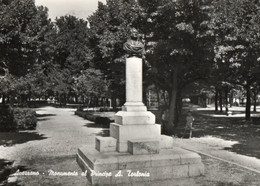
column 189, row 121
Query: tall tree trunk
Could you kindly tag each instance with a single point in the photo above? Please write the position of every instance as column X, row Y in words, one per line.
column 231, row 98
column 226, row 99
column 11, row 101
column 178, row 108
column 216, row 100
column 255, row 100
column 95, row 102
column 64, row 99
column 145, row 98
column 66, row 96
column 164, row 97
column 113, row 101
column 92, row 104
column 89, row 102
column 158, row 96
column 172, row 112
column 60, row 99
column 3, row 99
column 248, row 101
column 107, row 103
column 173, row 100
column 102, row 102
column 204, row 100
column 76, row 98
column 83, row 100
column 220, row 101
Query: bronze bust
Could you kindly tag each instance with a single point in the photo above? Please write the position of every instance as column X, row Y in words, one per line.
column 133, row 46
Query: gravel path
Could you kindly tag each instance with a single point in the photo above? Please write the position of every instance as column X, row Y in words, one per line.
column 63, row 133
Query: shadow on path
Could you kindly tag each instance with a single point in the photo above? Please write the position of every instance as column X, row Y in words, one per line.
column 12, row 138
column 94, row 125
column 105, row 129
column 6, row 169
column 44, row 117
column 104, row 133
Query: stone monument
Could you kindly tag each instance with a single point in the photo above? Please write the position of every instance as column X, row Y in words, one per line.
column 136, row 152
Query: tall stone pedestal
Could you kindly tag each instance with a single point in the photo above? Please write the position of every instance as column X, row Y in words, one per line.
column 136, row 152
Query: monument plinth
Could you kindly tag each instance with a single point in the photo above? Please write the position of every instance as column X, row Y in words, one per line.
column 134, row 122
column 136, row 151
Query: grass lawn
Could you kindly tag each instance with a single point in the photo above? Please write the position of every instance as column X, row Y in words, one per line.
column 233, row 128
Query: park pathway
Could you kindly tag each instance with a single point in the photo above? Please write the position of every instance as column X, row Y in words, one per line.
column 62, row 134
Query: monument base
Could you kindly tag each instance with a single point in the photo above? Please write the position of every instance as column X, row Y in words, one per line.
column 115, row 168
column 122, row 133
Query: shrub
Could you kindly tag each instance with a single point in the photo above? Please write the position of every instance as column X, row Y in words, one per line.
column 6, row 120
column 12, row 119
column 104, row 121
column 90, row 117
column 79, row 113
column 24, row 118
column 87, row 115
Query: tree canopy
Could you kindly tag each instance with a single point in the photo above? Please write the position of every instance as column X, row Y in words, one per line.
column 203, row 45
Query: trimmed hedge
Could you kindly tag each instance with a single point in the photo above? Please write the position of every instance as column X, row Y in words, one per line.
column 17, row 119
column 108, row 109
column 104, row 121
column 86, row 115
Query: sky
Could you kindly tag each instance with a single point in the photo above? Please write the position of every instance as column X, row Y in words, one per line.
column 78, row 8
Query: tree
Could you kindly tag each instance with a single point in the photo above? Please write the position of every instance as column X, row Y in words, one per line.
column 110, row 26
column 68, row 53
column 91, row 83
column 255, row 90
column 21, row 29
column 183, row 49
column 17, row 43
column 240, row 46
